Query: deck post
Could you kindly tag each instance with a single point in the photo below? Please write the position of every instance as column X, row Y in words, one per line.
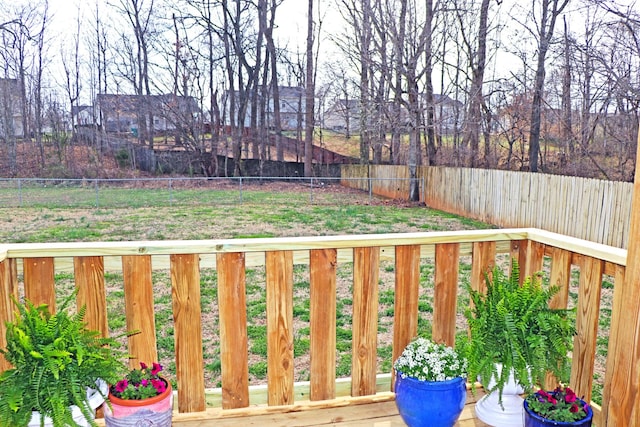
column 8, row 288
column 621, row 405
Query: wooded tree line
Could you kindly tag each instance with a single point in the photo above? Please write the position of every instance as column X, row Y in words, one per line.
column 480, row 83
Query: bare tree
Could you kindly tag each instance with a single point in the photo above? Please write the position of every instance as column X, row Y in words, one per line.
column 477, row 62
column 309, row 95
column 140, row 15
column 546, row 22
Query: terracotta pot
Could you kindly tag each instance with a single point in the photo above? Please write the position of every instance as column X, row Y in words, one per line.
column 155, row 411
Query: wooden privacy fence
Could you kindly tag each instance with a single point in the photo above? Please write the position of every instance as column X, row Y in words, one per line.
column 29, row 269
column 586, row 208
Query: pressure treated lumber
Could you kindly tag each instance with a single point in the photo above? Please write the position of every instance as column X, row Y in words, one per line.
column 139, row 309
column 322, row 313
column 233, row 330
column 624, row 349
column 185, row 290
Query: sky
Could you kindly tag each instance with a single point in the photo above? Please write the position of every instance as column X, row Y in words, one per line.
column 291, row 21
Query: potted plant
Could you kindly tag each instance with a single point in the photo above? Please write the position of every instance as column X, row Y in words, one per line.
column 142, row 396
column 60, row 368
column 515, row 340
column 560, row 407
column 430, row 384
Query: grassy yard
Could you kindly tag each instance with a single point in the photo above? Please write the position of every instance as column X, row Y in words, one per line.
column 275, row 213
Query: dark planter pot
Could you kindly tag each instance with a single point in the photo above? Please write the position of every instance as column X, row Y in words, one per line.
column 430, row 403
column 532, row 419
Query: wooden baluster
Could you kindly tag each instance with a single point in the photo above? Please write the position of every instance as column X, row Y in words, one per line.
column 406, row 299
column 279, row 268
column 233, row 329
column 483, row 260
column 39, row 281
column 139, row 309
column 366, row 268
column 185, row 286
column 89, row 278
column 446, row 293
column 8, row 289
column 584, row 347
column 322, row 312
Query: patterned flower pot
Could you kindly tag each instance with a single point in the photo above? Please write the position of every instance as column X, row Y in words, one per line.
column 532, row 419
column 155, row 411
column 430, row 403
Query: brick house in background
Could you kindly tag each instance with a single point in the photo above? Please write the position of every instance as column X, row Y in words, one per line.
column 11, row 120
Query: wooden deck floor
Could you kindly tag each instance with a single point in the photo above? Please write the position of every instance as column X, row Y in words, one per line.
column 376, row 414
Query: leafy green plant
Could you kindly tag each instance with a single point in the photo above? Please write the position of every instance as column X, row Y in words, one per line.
column 55, row 360
column 512, row 325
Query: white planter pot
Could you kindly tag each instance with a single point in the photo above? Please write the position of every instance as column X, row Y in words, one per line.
column 95, row 399
column 510, row 413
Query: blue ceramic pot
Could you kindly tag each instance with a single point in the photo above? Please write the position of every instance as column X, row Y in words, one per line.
column 430, row 403
column 532, row 419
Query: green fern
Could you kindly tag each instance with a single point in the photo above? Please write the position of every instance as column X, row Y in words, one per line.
column 512, row 324
column 55, row 359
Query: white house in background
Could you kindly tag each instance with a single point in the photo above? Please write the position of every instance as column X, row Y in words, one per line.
column 11, row 120
column 449, row 114
column 292, row 108
column 343, row 116
column 83, row 115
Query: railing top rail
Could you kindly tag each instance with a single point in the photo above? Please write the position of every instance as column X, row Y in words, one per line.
column 166, row 247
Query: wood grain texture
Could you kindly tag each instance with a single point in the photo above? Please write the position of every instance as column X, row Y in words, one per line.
column 8, row 290
column 407, row 289
column 322, row 310
column 446, row 293
column 185, row 288
column 39, row 281
column 533, row 256
column 89, row 278
column 483, row 260
column 562, row 204
column 279, row 271
column 588, row 310
column 366, row 267
column 608, row 392
column 560, row 276
column 233, row 330
column 139, row 309
column 624, row 410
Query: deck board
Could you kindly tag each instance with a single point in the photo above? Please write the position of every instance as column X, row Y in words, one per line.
column 373, row 414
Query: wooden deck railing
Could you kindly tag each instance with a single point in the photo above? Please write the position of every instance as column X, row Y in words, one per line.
column 29, row 270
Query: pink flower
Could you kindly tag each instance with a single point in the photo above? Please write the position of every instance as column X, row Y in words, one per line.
column 574, row 408
column 143, row 365
column 122, row 385
column 156, row 368
column 570, row 396
column 159, row 385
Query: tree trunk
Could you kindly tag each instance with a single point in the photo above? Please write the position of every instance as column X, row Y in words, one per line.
column 309, row 96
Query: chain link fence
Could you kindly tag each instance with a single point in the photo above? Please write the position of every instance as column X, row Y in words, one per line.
column 146, row 192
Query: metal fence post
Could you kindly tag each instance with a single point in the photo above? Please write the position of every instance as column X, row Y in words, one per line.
column 240, row 188
column 170, row 193
column 20, row 191
column 97, row 193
